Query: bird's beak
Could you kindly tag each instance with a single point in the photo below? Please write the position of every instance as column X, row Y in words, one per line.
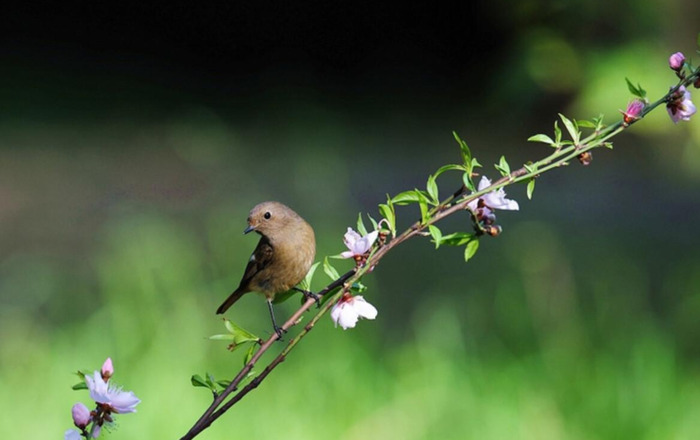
column 248, row 229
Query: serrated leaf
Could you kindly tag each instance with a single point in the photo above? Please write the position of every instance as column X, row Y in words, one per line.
column 557, row 134
column 541, row 138
column 306, row 282
column 464, row 149
column 436, row 233
column 361, row 225
column 456, row 238
column 386, row 212
column 503, row 166
column 466, row 178
column 330, row 270
column 375, row 225
column 80, row 386
column 636, row 90
column 471, row 248
column 406, row 197
column 449, row 167
column 198, row 381
column 571, row 128
column 530, row 188
column 432, row 188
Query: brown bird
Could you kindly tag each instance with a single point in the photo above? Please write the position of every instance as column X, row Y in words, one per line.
column 284, row 254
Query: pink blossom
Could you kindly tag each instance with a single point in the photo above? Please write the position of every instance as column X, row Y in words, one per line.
column 349, row 309
column 494, row 199
column 119, row 401
column 72, row 434
column 358, row 245
column 680, row 107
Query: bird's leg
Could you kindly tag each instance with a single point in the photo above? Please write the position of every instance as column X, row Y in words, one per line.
column 309, row 294
column 279, row 330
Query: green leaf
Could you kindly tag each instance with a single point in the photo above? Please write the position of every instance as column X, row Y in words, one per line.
column 222, row 337
column 406, row 197
column 464, row 149
column 530, row 167
column 358, row 287
column 471, row 248
column 432, row 188
column 249, row 354
column 80, row 386
column 586, row 124
column 388, row 213
column 239, row 334
column 436, row 234
column 375, row 225
column 210, row 380
column 284, row 296
column 424, row 217
column 530, row 188
column 557, row 134
column 361, row 225
column 503, row 167
column 467, row 179
column 223, row 383
column 571, row 128
column 457, row 238
column 197, row 381
column 541, row 138
column 306, row 282
column 330, row 270
column 636, row 90
column 449, row 167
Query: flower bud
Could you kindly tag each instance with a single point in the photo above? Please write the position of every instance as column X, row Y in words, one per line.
column 634, row 110
column 585, row 158
column 81, row 415
column 675, row 61
column 107, row 369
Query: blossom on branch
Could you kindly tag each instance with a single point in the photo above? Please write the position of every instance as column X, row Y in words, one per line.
column 349, row 309
column 634, row 110
column 107, row 369
column 493, row 200
column 81, row 415
column 675, row 61
column 358, row 245
column 679, row 106
column 110, row 396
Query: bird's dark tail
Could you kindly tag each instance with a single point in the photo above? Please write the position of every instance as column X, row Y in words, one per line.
column 235, row 296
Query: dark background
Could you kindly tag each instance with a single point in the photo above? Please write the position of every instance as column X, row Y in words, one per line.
column 134, row 138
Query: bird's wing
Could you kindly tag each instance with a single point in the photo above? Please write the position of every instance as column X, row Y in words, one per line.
column 259, row 260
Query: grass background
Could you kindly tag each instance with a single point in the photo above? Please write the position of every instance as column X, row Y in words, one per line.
column 133, row 142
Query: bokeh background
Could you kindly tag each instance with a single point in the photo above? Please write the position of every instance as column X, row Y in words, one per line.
column 135, row 138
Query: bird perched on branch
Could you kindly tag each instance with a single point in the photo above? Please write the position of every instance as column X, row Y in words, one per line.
column 284, row 254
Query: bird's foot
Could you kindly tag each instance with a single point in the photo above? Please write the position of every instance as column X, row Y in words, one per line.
column 309, row 294
column 280, row 331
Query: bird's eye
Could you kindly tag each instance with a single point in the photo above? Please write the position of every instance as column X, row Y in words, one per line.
column 267, row 216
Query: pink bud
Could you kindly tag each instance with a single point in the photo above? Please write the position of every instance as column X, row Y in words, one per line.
column 81, row 415
column 676, row 61
column 634, row 110
column 107, row 369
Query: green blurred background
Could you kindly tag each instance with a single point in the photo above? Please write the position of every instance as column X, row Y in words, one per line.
column 135, row 138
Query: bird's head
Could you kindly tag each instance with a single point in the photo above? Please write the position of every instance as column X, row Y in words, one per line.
column 267, row 218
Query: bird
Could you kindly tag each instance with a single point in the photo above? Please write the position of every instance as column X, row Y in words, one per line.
column 282, row 258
